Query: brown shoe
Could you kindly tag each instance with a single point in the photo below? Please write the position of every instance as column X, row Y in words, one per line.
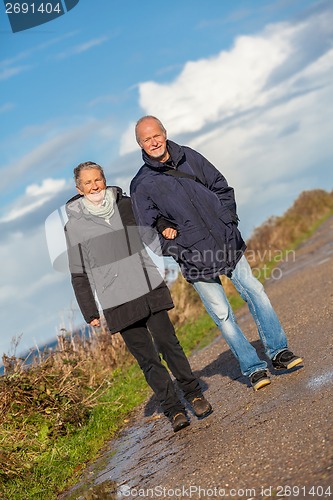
column 201, row 406
column 179, row 421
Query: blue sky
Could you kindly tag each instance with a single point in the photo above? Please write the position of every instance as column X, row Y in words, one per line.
column 248, row 84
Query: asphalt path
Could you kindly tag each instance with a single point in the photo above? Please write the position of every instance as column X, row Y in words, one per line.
column 273, row 443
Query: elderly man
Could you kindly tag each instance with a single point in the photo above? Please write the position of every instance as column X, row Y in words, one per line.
column 181, row 195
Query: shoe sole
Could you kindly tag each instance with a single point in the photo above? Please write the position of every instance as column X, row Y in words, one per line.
column 295, row 362
column 290, row 365
column 261, row 384
column 181, row 426
column 205, row 414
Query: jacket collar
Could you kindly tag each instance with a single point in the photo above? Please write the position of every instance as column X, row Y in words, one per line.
column 176, row 153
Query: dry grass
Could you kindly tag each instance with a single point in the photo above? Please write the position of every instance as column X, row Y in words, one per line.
column 54, row 394
column 280, row 233
column 187, row 302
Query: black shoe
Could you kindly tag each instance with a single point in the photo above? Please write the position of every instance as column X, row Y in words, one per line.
column 259, row 379
column 179, row 421
column 286, row 360
column 201, row 406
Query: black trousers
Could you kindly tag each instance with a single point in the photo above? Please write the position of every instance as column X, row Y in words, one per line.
column 145, row 340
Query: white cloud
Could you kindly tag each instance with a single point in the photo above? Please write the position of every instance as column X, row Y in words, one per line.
column 15, row 213
column 263, row 155
column 59, row 148
column 31, row 292
column 35, row 196
column 51, row 153
column 48, row 186
column 256, row 73
column 128, row 142
column 218, row 87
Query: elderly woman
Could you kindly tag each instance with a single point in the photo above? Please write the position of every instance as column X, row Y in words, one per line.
column 107, row 258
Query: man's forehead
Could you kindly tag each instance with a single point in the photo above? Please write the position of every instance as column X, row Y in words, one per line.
column 149, row 126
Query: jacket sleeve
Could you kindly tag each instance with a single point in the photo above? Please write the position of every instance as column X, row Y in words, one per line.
column 216, row 182
column 80, row 280
column 149, row 220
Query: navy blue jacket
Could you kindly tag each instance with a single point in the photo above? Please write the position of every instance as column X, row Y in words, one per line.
column 203, row 211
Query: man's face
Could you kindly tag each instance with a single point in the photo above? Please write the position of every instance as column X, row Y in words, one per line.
column 92, row 185
column 152, row 139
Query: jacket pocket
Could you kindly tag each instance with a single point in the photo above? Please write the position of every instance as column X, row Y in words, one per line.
column 189, row 237
column 105, row 277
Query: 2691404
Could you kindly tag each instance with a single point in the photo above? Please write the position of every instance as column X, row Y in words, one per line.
column 303, row 491
column 33, row 8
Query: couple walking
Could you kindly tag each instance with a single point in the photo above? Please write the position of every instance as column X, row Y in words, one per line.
column 181, row 205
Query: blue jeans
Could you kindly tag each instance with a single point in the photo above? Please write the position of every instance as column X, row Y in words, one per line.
column 252, row 291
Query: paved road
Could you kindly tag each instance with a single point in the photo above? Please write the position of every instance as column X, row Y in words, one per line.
column 276, row 442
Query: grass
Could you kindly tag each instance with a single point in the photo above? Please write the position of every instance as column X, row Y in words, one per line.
column 58, row 414
column 50, row 461
column 197, row 334
column 47, row 461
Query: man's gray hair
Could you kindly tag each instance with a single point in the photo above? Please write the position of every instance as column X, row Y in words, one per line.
column 87, row 165
column 143, row 118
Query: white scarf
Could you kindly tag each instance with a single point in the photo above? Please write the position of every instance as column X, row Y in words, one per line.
column 105, row 209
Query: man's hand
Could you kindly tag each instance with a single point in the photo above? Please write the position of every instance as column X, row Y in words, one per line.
column 169, row 233
column 95, row 322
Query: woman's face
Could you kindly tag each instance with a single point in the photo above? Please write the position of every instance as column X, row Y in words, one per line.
column 92, row 185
